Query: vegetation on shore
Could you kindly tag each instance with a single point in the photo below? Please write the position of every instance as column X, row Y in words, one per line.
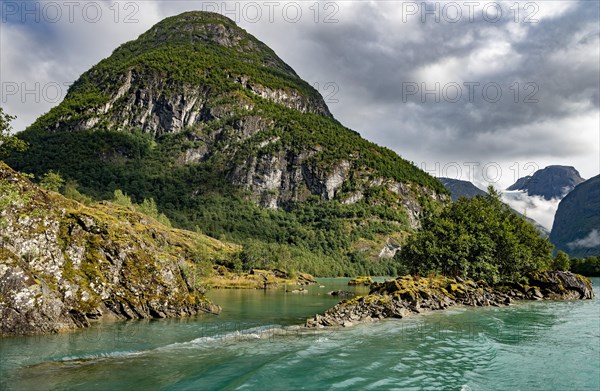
column 479, row 238
column 222, row 278
column 589, row 266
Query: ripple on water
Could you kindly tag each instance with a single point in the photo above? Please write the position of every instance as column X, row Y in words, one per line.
column 542, row 345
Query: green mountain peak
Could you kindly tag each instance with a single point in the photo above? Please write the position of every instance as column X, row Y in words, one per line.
column 207, row 120
column 173, row 74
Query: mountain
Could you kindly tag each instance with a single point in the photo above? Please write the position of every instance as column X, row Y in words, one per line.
column 520, row 184
column 458, row 188
column 576, row 228
column 202, row 117
column 550, row 182
column 63, row 263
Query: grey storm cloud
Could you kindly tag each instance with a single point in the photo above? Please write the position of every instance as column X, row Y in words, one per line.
column 368, row 56
column 384, row 65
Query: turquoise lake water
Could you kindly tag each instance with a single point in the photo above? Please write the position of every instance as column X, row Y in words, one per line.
column 550, row 345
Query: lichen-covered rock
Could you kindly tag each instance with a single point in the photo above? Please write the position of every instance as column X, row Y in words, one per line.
column 63, row 264
column 409, row 295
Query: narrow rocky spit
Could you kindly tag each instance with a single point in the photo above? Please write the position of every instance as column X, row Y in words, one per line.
column 410, row 295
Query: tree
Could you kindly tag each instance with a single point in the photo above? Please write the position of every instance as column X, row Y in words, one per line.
column 148, row 207
column 70, row 191
column 479, row 238
column 52, row 181
column 122, row 199
column 561, row 261
column 589, row 266
column 7, row 140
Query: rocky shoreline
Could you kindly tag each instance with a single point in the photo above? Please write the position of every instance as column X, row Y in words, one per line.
column 409, row 295
column 65, row 265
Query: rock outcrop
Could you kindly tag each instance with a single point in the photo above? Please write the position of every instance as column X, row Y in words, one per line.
column 365, row 281
column 64, row 264
column 412, row 295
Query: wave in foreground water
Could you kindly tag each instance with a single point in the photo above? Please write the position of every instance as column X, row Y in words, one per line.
column 530, row 346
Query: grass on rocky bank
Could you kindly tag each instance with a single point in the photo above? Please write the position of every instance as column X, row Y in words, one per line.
column 223, row 278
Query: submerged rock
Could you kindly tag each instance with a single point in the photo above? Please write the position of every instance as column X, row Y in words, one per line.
column 409, row 295
column 342, row 293
column 301, row 290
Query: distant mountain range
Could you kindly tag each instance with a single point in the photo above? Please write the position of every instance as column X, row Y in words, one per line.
column 550, row 182
column 576, row 228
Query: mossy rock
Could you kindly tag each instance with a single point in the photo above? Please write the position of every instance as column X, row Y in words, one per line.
column 456, row 288
column 366, row 281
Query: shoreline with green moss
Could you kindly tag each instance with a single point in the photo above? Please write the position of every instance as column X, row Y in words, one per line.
column 409, row 295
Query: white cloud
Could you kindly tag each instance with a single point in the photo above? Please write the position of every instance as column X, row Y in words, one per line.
column 42, row 57
column 590, row 241
column 534, row 207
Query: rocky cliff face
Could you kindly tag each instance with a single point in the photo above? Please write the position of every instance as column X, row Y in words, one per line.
column 153, row 103
column 277, row 180
column 576, row 228
column 550, row 182
column 63, row 264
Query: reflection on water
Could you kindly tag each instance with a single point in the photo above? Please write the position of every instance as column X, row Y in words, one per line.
column 254, row 345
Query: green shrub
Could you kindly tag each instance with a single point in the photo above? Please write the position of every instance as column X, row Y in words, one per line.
column 477, row 238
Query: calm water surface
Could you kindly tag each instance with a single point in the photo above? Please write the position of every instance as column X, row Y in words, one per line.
column 546, row 345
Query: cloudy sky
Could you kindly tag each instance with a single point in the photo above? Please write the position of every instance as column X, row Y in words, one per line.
column 487, row 91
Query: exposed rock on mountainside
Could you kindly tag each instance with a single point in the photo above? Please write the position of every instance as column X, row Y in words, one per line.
column 63, row 264
column 576, row 228
column 204, row 118
column 412, row 295
column 550, row 182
